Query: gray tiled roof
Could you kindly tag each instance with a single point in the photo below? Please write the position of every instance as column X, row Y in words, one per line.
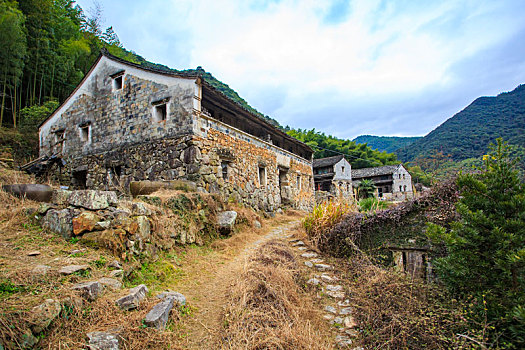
column 324, row 162
column 377, row 171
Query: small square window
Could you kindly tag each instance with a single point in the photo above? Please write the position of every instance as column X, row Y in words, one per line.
column 117, row 83
column 84, row 132
column 160, row 111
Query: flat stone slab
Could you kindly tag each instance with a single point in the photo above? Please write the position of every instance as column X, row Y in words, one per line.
column 70, row 269
column 346, row 311
column 89, row 290
column 328, row 317
column 309, row 255
column 42, row 315
column 179, row 298
column 103, row 341
column 334, row 288
column 349, row 322
column 92, row 199
column 338, row 320
column 335, row 295
column 323, row 267
column 133, row 299
column 343, row 341
column 302, row 248
column 344, row 303
column 314, row 281
column 298, row 243
column 158, row 316
column 328, row 279
column 330, row 309
column 116, row 273
column 317, row 261
column 309, row 263
column 112, row 283
column 34, row 253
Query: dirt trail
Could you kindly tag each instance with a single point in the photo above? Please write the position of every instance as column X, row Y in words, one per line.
column 208, row 283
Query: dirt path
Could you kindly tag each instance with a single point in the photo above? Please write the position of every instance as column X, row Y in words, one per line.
column 208, row 283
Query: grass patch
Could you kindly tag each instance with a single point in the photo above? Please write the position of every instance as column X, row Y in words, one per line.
column 157, row 275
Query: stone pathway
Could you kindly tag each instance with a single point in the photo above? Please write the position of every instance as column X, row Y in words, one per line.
column 338, row 311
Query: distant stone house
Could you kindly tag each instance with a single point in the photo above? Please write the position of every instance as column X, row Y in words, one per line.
column 393, row 182
column 125, row 122
column 333, row 175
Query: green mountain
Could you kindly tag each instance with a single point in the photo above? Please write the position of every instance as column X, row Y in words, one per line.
column 385, row 143
column 468, row 133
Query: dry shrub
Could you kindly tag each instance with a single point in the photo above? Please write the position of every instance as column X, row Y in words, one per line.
column 268, row 309
column 395, row 312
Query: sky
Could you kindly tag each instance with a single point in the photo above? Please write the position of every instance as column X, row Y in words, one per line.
column 346, row 68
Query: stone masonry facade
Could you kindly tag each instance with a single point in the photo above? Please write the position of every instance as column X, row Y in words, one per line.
column 125, row 123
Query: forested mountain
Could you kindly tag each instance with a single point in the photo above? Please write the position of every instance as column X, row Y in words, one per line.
column 385, row 143
column 468, row 133
column 359, row 156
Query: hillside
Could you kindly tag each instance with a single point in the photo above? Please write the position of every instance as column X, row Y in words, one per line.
column 468, row 133
column 385, row 143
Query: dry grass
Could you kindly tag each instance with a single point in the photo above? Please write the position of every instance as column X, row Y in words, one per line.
column 268, row 309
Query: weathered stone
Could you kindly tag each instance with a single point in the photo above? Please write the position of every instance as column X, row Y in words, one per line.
column 309, row 255
column 226, row 221
column 298, row 243
column 103, row 341
column 73, row 302
column 89, row 290
column 34, row 253
column 43, row 314
column 59, row 221
column 328, row 279
column 323, row 267
column 330, row 309
column 111, row 283
column 328, row 317
column 140, row 227
column 343, row 341
column 70, row 269
column 335, row 295
column 257, row 224
column 158, row 316
column 346, row 311
column 44, row 207
column 317, row 261
column 60, row 196
column 139, row 208
column 115, row 265
column 40, row 270
column 132, row 300
column 92, row 199
column 179, row 298
column 116, row 273
column 309, row 263
column 338, row 320
column 85, row 222
column 349, row 322
column 332, row 288
column 27, row 340
column 313, row 281
column 302, row 248
column 102, row 225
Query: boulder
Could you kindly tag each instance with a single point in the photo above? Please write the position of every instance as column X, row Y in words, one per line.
column 158, row 316
column 44, row 207
column 89, row 290
column 85, row 222
column 59, row 221
column 140, row 227
column 132, row 300
column 42, row 315
column 226, row 221
column 116, row 273
column 111, row 283
column 60, row 197
column 92, row 199
column 179, row 298
column 103, row 341
column 70, row 269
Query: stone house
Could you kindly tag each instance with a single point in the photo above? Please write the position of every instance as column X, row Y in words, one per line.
column 333, row 175
column 126, row 122
column 393, row 182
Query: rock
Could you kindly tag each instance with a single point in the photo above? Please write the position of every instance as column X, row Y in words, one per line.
column 111, row 283
column 103, row 341
column 349, row 322
column 345, row 311
column 102, row 225
column 294, row 240
column 92, row 199
column 279, row 211
column 352, row 332
column 328, row 317
column 85, row 222
column 323, row 267
column 60, row 197
column 330, row 309
column 59, row 221
column 73, row 302
column 226, row 221
column 309, row 263
column 70, row 269
column 34, row 253
column 116, row 273
column 332, row 288
column 335, row 295
column 309, row 255
column 317, row 261
column 358, row 348
column 43, row 314
column 327, row 278
column 158, row 316
column 344, row 303
column 115, row 265
column 89, row 290
column 132, row 300
column 303, row 248
column 343, row 341
column 179, row 298
column 140, row 227
column 298, row 243
column 313, row 281
column 27, row 340
column 257, row 224
column 44, row 207
column 139, row 208
column 40, row 270
column 338, row 320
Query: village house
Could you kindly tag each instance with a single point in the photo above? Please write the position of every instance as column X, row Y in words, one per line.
column 125, row 122
column 393, row 182
column 333, row 175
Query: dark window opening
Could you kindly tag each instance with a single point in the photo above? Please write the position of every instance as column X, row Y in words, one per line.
column 80, row 179
column 113, row 174
column 299, row 182
column 117, row 83
column 84, row 132
column 161, row 112
column 262, row 176
column 224, row 170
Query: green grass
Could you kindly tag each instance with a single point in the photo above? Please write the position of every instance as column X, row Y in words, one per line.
column 155, row 275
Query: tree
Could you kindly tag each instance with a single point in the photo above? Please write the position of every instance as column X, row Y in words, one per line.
column 486, row 248
column 366, row 188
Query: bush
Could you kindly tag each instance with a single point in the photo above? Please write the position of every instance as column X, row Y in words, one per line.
column 372, row 204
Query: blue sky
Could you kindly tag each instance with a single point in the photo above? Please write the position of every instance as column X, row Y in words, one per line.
column 346, row 68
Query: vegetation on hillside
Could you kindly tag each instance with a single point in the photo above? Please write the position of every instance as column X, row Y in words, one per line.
column 359, row 156
column 468, row 133
column 385, row 143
